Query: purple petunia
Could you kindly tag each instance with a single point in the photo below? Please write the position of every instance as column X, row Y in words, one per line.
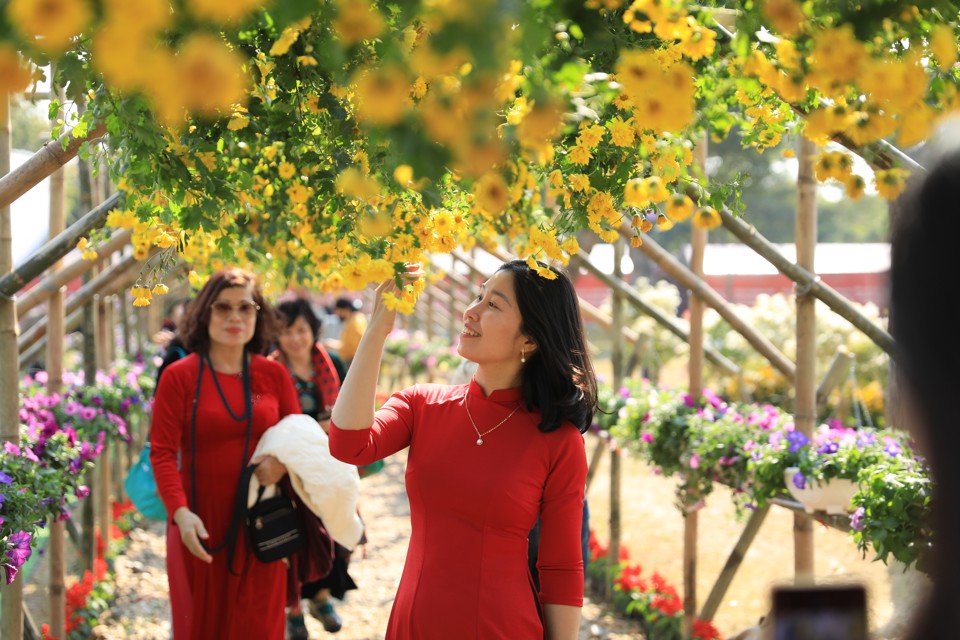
column 856, row 520
column 88, row 413
column 5, row 479
column 647, row 437
column 82, row 491
column 829, row 447
column 797, row 441
column 799, row 481
column 19, row 548
column 71, row 408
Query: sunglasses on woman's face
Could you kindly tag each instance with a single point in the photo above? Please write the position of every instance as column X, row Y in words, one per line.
column 245, row 308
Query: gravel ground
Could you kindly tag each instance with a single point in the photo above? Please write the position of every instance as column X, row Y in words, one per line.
column 141, row 610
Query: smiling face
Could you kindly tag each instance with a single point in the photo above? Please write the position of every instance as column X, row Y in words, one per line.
column 233, row 325
column 491, row 325
column 296, row 340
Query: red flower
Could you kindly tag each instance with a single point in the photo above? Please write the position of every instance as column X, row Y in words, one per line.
column 597, row 550
column 45, row 632
column 629, row 579
column 667, row 605
column 704, row 630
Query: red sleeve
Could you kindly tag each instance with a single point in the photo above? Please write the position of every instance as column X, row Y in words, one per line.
column 174, row 395
column 392, row 430
column 561, row 519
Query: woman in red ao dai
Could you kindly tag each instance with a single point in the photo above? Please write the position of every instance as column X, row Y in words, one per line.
column 486, row 460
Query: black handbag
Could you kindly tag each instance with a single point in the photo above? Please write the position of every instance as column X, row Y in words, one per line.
column 273, row 524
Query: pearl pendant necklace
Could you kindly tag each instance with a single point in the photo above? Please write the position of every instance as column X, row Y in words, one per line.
column 466, row 403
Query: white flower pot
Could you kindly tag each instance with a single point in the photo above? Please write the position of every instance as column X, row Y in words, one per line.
column 832, row 496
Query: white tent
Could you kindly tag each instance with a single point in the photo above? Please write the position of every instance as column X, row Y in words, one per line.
column 29, row 215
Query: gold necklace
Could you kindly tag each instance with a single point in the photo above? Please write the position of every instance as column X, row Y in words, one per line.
column 466, row 403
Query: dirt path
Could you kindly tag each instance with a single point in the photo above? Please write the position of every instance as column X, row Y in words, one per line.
column 141, row 610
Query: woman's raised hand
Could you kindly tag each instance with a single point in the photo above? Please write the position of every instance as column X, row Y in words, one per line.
column 383, row 318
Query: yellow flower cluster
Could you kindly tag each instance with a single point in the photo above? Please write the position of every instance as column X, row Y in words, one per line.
column 87, row 252
column 407, row 299
column 51, row 24
column 837, row 165
column 662, row 97
column 14, row 75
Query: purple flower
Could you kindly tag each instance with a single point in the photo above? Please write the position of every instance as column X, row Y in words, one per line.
column 647, row 437
column 2, row 521
column 82, row 491
column 856, row 520
column 799, row 480
column 830, row 447
column 76, row 465
column 624, row 392
column 5, row 479
column 688, row 400
column 71, row 408
column 19, row 548
column 2, row 500
column 88, row 413
column 797, row 441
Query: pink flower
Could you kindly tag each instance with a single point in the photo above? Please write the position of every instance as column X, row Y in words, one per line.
column 694, row 461
column 647, row 437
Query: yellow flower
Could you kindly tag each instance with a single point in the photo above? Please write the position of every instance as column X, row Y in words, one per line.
column 915, row 125
column 635, row 193
column 14, row 75
column 636, row 241
column 679, row 207
column 890, row 183
column 53, row 22
column 786, row 16
column 580, row 155
column 707, row 218
column 943, row 45
column 491, row 193
column 855, row 186
column 160, row 289
column 540, row 125
column 541, row 270
column 222, row 12
column 380, row 95
column 403, row 174
column 579, row 182
column 209, row 75
column 838, row 54
column 621, row 133
column 571, row 246
column 656, row 189
column 590, row 135
column 357, row 20
column 286, row 170
column 699, row 43
column 288, row 36
column 419, row 88
column 141, row 302
column 238, row 121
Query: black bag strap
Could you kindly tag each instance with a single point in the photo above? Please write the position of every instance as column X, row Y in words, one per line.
column 240, row 503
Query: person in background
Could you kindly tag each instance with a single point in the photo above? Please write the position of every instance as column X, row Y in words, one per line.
column 168, row 338
column 485, row 460
column 354, row 324
column 924, row 320
column 317, row 375
column 210, row 411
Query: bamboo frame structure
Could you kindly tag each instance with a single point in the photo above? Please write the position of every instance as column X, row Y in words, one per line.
column 616, row 361
column 52, row 251
column 53, row 155
column 807, row 280
column 664, row 320
column 61, row 275
column 702, row 291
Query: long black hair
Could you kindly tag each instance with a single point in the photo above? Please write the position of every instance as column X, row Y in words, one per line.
column 925, row 320
column 558, row 377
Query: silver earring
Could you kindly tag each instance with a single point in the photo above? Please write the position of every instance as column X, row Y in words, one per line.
column 523, row 355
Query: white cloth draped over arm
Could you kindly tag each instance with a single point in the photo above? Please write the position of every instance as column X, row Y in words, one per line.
column 329, row 488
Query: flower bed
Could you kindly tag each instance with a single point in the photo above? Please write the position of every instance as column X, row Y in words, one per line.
column 60, row 437
column 749, row 447
column 653, row 601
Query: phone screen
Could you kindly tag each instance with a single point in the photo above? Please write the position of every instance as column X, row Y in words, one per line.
column 820, row 613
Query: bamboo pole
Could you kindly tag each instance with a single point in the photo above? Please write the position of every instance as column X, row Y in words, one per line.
column 53, row 155
column 52, row 282
column 691, row 519
column 670, row 323
column 805, row 405
column 56, row 545
column 52, row 251
column 616, row 361
column 702, row 291
column 11, row 596
column 429, row 314
column 807, row 279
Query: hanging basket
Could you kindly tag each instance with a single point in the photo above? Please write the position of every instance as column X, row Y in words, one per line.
column 832, row 496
